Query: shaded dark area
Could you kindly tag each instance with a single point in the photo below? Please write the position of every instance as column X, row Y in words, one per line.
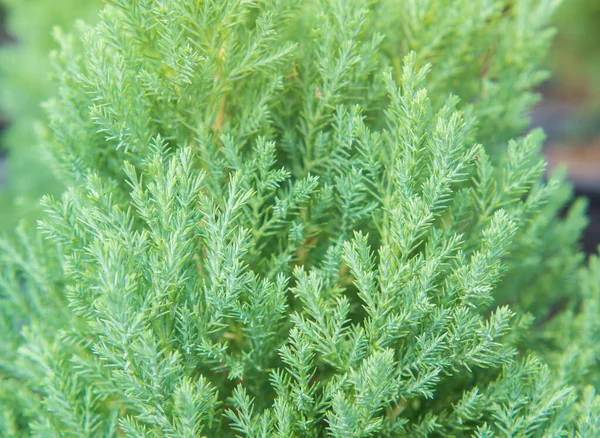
column 3, row 39
column 572, row 127
column 581, row 156
column 2, row 162
column 4, row 36
column 591, row 237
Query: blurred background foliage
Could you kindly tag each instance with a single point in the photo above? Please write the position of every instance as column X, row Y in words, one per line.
column 575, row 58
column 570, row 109
column 25, row 68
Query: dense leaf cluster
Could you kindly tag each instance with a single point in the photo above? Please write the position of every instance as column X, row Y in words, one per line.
column 301, row 218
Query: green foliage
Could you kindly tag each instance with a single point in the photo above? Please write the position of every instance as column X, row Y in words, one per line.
column 24, row 83
column 301, row 219
column 575, row 61
column 576, row 57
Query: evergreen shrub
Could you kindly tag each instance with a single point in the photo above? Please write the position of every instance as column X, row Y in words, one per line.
column 301, row 219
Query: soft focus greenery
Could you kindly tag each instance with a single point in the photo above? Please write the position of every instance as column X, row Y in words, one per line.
column 576, row 54
column 25, row 69
column 575, row 63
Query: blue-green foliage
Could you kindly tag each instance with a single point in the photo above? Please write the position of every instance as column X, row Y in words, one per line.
column 291, row 218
